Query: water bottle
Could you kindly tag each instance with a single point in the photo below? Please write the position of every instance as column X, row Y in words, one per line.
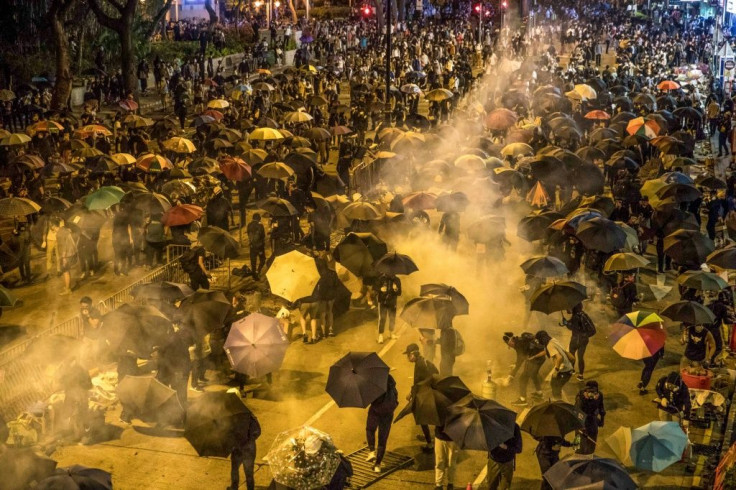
column 488, row 389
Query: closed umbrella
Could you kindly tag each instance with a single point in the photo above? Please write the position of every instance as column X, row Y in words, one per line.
column 429, row 312
column 148, row 399
column 558, row 296
column 293, row 276
column 216, row 422
column 256, row 345
column 303, row 458
column 583, row 471
column 638, row 335
column 689, row 312
column 479, row 424
column 358, row 251
column 357, row 379
column 544, row 266
column 459, row 302
column 553, row 419
column 395, row 263
column 657, row 445
column 77, row 477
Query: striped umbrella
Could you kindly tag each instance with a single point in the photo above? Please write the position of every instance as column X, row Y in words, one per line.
column 638, row 335
column 648, row 128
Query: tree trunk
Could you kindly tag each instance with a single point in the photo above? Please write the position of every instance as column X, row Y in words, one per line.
column 156, row 23
column 294, row 18
column 63, row 85
column 380, row 14
column 401, row 5
column 127, row 61
column 213, row 15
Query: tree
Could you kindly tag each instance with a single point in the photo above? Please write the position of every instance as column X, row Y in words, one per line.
column 156, row 21
column 120, row 20
column 63, row 86
column 294, row 18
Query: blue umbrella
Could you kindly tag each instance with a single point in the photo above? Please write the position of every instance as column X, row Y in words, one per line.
column 657, row 445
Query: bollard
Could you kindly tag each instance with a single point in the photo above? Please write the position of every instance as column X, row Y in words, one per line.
column 488, row 390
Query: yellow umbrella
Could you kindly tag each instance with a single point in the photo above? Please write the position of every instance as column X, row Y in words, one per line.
column 586, row 91
column 266, row 134
column 470, row 162
column 15, row 139
column 408, row 137
column 178, row 144
column 218, row 104
column 123, row 158
column 297, row 117
column 86, row 153
column 309, row 68
column 44, row 127
column 389, row 133
column 264, row 71
column 517, row 149
column 293, row 276
column 440, row 94
column 92, row 130
column 651, row 187
column 620, row 444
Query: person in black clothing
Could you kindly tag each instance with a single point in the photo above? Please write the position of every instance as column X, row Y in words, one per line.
column 724, row 130
column 448, row 342
column 244, row 454
column 624, row 295
column 320, row 225
column 548, row 453
column 502, row 461
column 590, row 401
column 389, row 289
column 646, row 373
column 582, row 329
column 674, row 398
column 700, row 346
column 530, row 355
column 174, row 363
column 193, row 264
column 297, row 199
column 722, row 308
column 256, row 245
column 380, row 416
column 219, row 210
column 76, row 383
column 22, row 233
column 423, row 369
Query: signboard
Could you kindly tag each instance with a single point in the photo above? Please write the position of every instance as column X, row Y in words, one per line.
column 731, row 6
column 729, row 65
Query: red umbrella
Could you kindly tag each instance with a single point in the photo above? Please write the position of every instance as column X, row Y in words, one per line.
column 128, row 105
column 182, row 214
column 216, row 115
column 500, row 119
column 235, row 169
column 598, row 115
column 668, row 85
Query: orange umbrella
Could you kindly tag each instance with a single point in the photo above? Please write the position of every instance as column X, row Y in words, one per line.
column 235, row 169
column 151, row 162
column 668, row 85
column 537, row 196
column 598, row 115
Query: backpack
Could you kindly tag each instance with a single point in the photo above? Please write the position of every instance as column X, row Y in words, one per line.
column 618, row 300
column 189, row 261
column 587, row 327
column 459, row 344
column 387, row 402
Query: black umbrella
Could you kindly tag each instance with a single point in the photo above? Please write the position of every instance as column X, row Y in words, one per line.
column 708, row 181
column 277, row 207
column 689, row 312
column 725, row 258
column 357, row 379
column 487, row 228
column 219, row 242
column 432, row 399
column 553, row 418
column 680, row 192
column 453, row 202
column 534, row 226
column 146, row 398
column 162, row 291
column 21, row 466
column 601, row 234
column 590, row 153
column 77, row 477
column 216, row 422
column 149, row 203
column 429, row 312
column 206, row 310
column 544, row 266
column 358, row 251
column 395, row 263
column 135, row 328
column 589, row 471
column 558, row 296
column 458, row 299
column 479, row 424
column 688, row 247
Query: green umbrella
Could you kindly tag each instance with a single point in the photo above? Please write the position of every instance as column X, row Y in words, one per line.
column 103, row 198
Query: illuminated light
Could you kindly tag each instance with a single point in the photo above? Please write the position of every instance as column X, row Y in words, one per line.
column 367, row 10
column 258, row 4
column 477, row 8
column 504, row 4
column 277, row 4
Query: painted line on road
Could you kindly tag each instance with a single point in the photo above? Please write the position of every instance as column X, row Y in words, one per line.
column 319, row 413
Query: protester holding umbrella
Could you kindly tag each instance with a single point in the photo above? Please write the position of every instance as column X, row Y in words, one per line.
column 192, row 261
column 380, row 416
column 722, row 308
column 244, row 454
column 589, row 401
column 548, row 454
column 502, row 461
column 562, row 360
column 582, row 328
column 624, row 295
column 389, row 289
column 423, row 369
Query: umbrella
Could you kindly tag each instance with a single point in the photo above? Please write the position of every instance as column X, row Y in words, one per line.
column 487, row 229
column 517, row 150
column 582, row 471
column 624, row 262
column 148, row 399
column 293, row 276
column 218, row 104
column 429, row 312
column 123, row 158
column 103, row 198
column 455, row 201
column 205, row 310
column 13, row 207
column 303, row 458
column 620, row 444
column 265, row 134
column 470, row 162
column 149, row 203
column 689, row 312
column 362, row 210
column 219, row 242
column 256, row 345
column 585, row 91
column 458, row 299
column 20, row 467
column 357, row 379
column 702, row 281
column 275, row 170
column 152, row 163
column 77, row 477
column 432, row 398
column 439, row 94
column 667, row 85
column 553, row 419
column 500, row 119
column 180, row 145
column 725, row 258
column 644, row 127
column 277, row 207
column 708, row 181
column 534, row 226
column 419, row 200
column 559, row 296
column 479, row 424
column 15, row 139
column 688, row 247
column 135, row 328
column 182, row 214
column 598, row 115
column 544, row 266
column 680, row 192
column 216, row 422
column 395, row 263
column 638, row 335
column 358, row 251
column 657, row 445
column 162, row 291
column 601, row 234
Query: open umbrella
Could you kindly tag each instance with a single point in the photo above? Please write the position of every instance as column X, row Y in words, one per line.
column 554, row 419
column 459, row 302
column 657, row 445
column 419, row 200
column 303, row 458
column 219, row 242
column 77, row 477
column 293, row 276
column 162, row 291
column 357, row 379
column 362, row 211
column 103, row 198
column 455, row 201
column 583, row 471
column 216, row 422
column 205, row 310
column 358, row 251
column 624, row 262
column 150, row 203
column 432, row 399
column 688, row 247
column 275, row 170
column 256, row 345
column 479, row 424
column 689, row 312
column 429, row 312
column 725, row 258
column 13, row 207
column 148, row 399
column 277, row 207
column 702, row 281
column 638, row 335
column 620, row 444
column 558, row 296
column 135, row 328
column 500, row 119
column 20, row 467
column 394, row 263
column 182, row 214
column 601, row 234
column 544, row 266
column 534, row 226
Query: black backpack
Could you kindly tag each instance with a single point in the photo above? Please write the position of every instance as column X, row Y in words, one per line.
column 618, row 299
column 189, row 261
column 587, row 327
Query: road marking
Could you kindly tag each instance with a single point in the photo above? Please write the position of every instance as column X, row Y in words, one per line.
column 319, row 413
